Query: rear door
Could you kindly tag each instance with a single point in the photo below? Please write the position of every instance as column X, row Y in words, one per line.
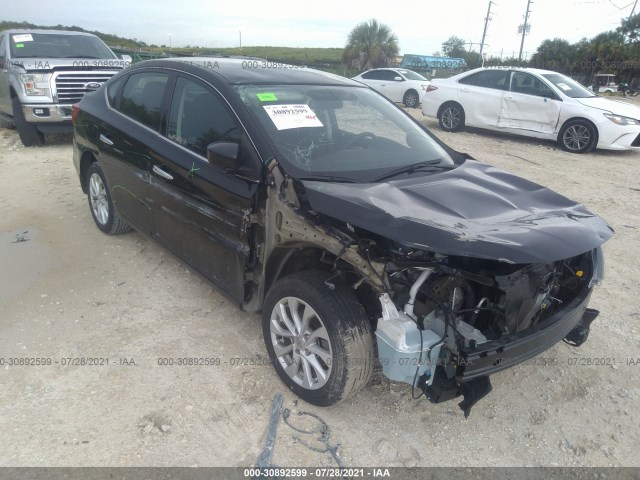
column 200, row 212
column 480, row 94
column 130, row 139
column 530, row 104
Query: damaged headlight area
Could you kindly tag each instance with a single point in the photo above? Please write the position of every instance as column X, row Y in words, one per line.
column 448, row 322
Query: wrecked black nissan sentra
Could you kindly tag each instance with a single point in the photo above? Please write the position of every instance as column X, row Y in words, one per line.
column 361, row 237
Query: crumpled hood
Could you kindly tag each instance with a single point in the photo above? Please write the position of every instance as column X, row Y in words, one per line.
column 616, row 107
column 474, row 210
column 32, row 64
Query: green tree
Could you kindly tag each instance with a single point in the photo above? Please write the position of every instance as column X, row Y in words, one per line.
column 370, row 45
column 557, row 55
column 454, row 47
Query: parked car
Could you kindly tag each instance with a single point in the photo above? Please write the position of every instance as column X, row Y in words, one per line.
column 397, row 84
column 43, row 73
column 310, row 198
column 533, row 103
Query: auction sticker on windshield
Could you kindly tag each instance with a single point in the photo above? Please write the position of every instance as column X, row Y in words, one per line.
column 285, row 117
column 25, row 37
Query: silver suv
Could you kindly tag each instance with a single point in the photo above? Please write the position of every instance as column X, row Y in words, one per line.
column 44, row 72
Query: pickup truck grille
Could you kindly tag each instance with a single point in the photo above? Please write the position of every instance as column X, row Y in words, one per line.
column 70, row 86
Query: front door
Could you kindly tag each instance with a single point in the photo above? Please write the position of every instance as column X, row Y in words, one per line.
column 530, row 105
column 200, row 212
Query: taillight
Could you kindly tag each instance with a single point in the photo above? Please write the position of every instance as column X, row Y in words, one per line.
column 75, row 109
column 431, row 88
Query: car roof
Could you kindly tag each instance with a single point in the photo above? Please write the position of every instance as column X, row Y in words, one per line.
column 506, row 68
column 14, row 31
column 243, row 70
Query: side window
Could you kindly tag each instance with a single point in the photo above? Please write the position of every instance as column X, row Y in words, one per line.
column 198, row 118
column 497, row 79
column 522, row 82
column 3, row 55
column 374, row 75
column 112, row 90
column 389, row 75
column 142, row 97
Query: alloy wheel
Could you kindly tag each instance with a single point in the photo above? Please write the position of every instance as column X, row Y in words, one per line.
column 301, row 343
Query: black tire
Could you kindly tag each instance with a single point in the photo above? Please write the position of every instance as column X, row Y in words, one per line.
column 6, row 123
column 451, row 117
column 411, row 99
column 28, row 133
column 349, row 347
column 101, row 206
column 578, row 136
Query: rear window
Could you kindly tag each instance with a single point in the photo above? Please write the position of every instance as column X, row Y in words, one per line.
column 57, row 45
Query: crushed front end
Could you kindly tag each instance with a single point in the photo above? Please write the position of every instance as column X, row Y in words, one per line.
column 448, row 322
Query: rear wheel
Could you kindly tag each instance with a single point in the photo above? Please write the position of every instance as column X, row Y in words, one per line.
column 451, row 117
column 578, row 136
column 102, row 209
column 411, row 99
column 318, row 339
column 28, row 133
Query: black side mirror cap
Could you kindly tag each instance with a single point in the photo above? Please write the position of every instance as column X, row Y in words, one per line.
column 223, row 155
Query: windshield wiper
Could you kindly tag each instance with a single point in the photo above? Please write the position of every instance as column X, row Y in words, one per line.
column 81, row 56
column 429, row 165
column 328, row 178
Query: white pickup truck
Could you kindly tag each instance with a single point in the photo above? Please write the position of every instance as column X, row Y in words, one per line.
column 44, row 72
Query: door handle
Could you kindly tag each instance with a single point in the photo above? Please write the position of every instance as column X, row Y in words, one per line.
column 104, row 139
column 464, row 89
column 161, row 173
column 509, row 98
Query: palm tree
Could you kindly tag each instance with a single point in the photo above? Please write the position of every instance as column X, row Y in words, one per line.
column 371, row 44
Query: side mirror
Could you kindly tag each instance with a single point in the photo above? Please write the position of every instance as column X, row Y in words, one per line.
column 223, row 155
column 127, row 58
column 398, row 79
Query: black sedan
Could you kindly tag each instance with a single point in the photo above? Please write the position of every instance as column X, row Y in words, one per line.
column 358, row 235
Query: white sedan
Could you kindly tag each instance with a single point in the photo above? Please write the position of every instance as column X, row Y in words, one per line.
column 535, row 103
column 397, row 84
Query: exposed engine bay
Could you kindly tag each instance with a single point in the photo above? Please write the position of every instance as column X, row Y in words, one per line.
column 437, row 309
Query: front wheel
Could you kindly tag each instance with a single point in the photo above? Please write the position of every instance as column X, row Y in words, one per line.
column 578, row 136
column 103, row 211
column 28, row 133
column 451, row 117
column 411, row 99
column 318, row 339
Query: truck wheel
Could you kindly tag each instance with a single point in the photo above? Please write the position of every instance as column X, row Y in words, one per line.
column 319, row 339
column 102, row 209
column 6, row 123
column 28, row 133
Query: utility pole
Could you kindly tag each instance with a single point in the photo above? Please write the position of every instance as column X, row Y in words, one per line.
column 486, row 23
column 633, row 9
column 524, row 32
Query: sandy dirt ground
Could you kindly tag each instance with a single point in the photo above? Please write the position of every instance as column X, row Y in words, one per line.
column 70, row 292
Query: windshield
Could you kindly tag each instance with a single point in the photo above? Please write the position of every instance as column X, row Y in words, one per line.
column 58, row 45
column 350, row 133
column 569, row 87
column 411, row 75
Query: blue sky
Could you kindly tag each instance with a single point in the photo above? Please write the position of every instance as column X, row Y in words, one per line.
column 420, row 27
